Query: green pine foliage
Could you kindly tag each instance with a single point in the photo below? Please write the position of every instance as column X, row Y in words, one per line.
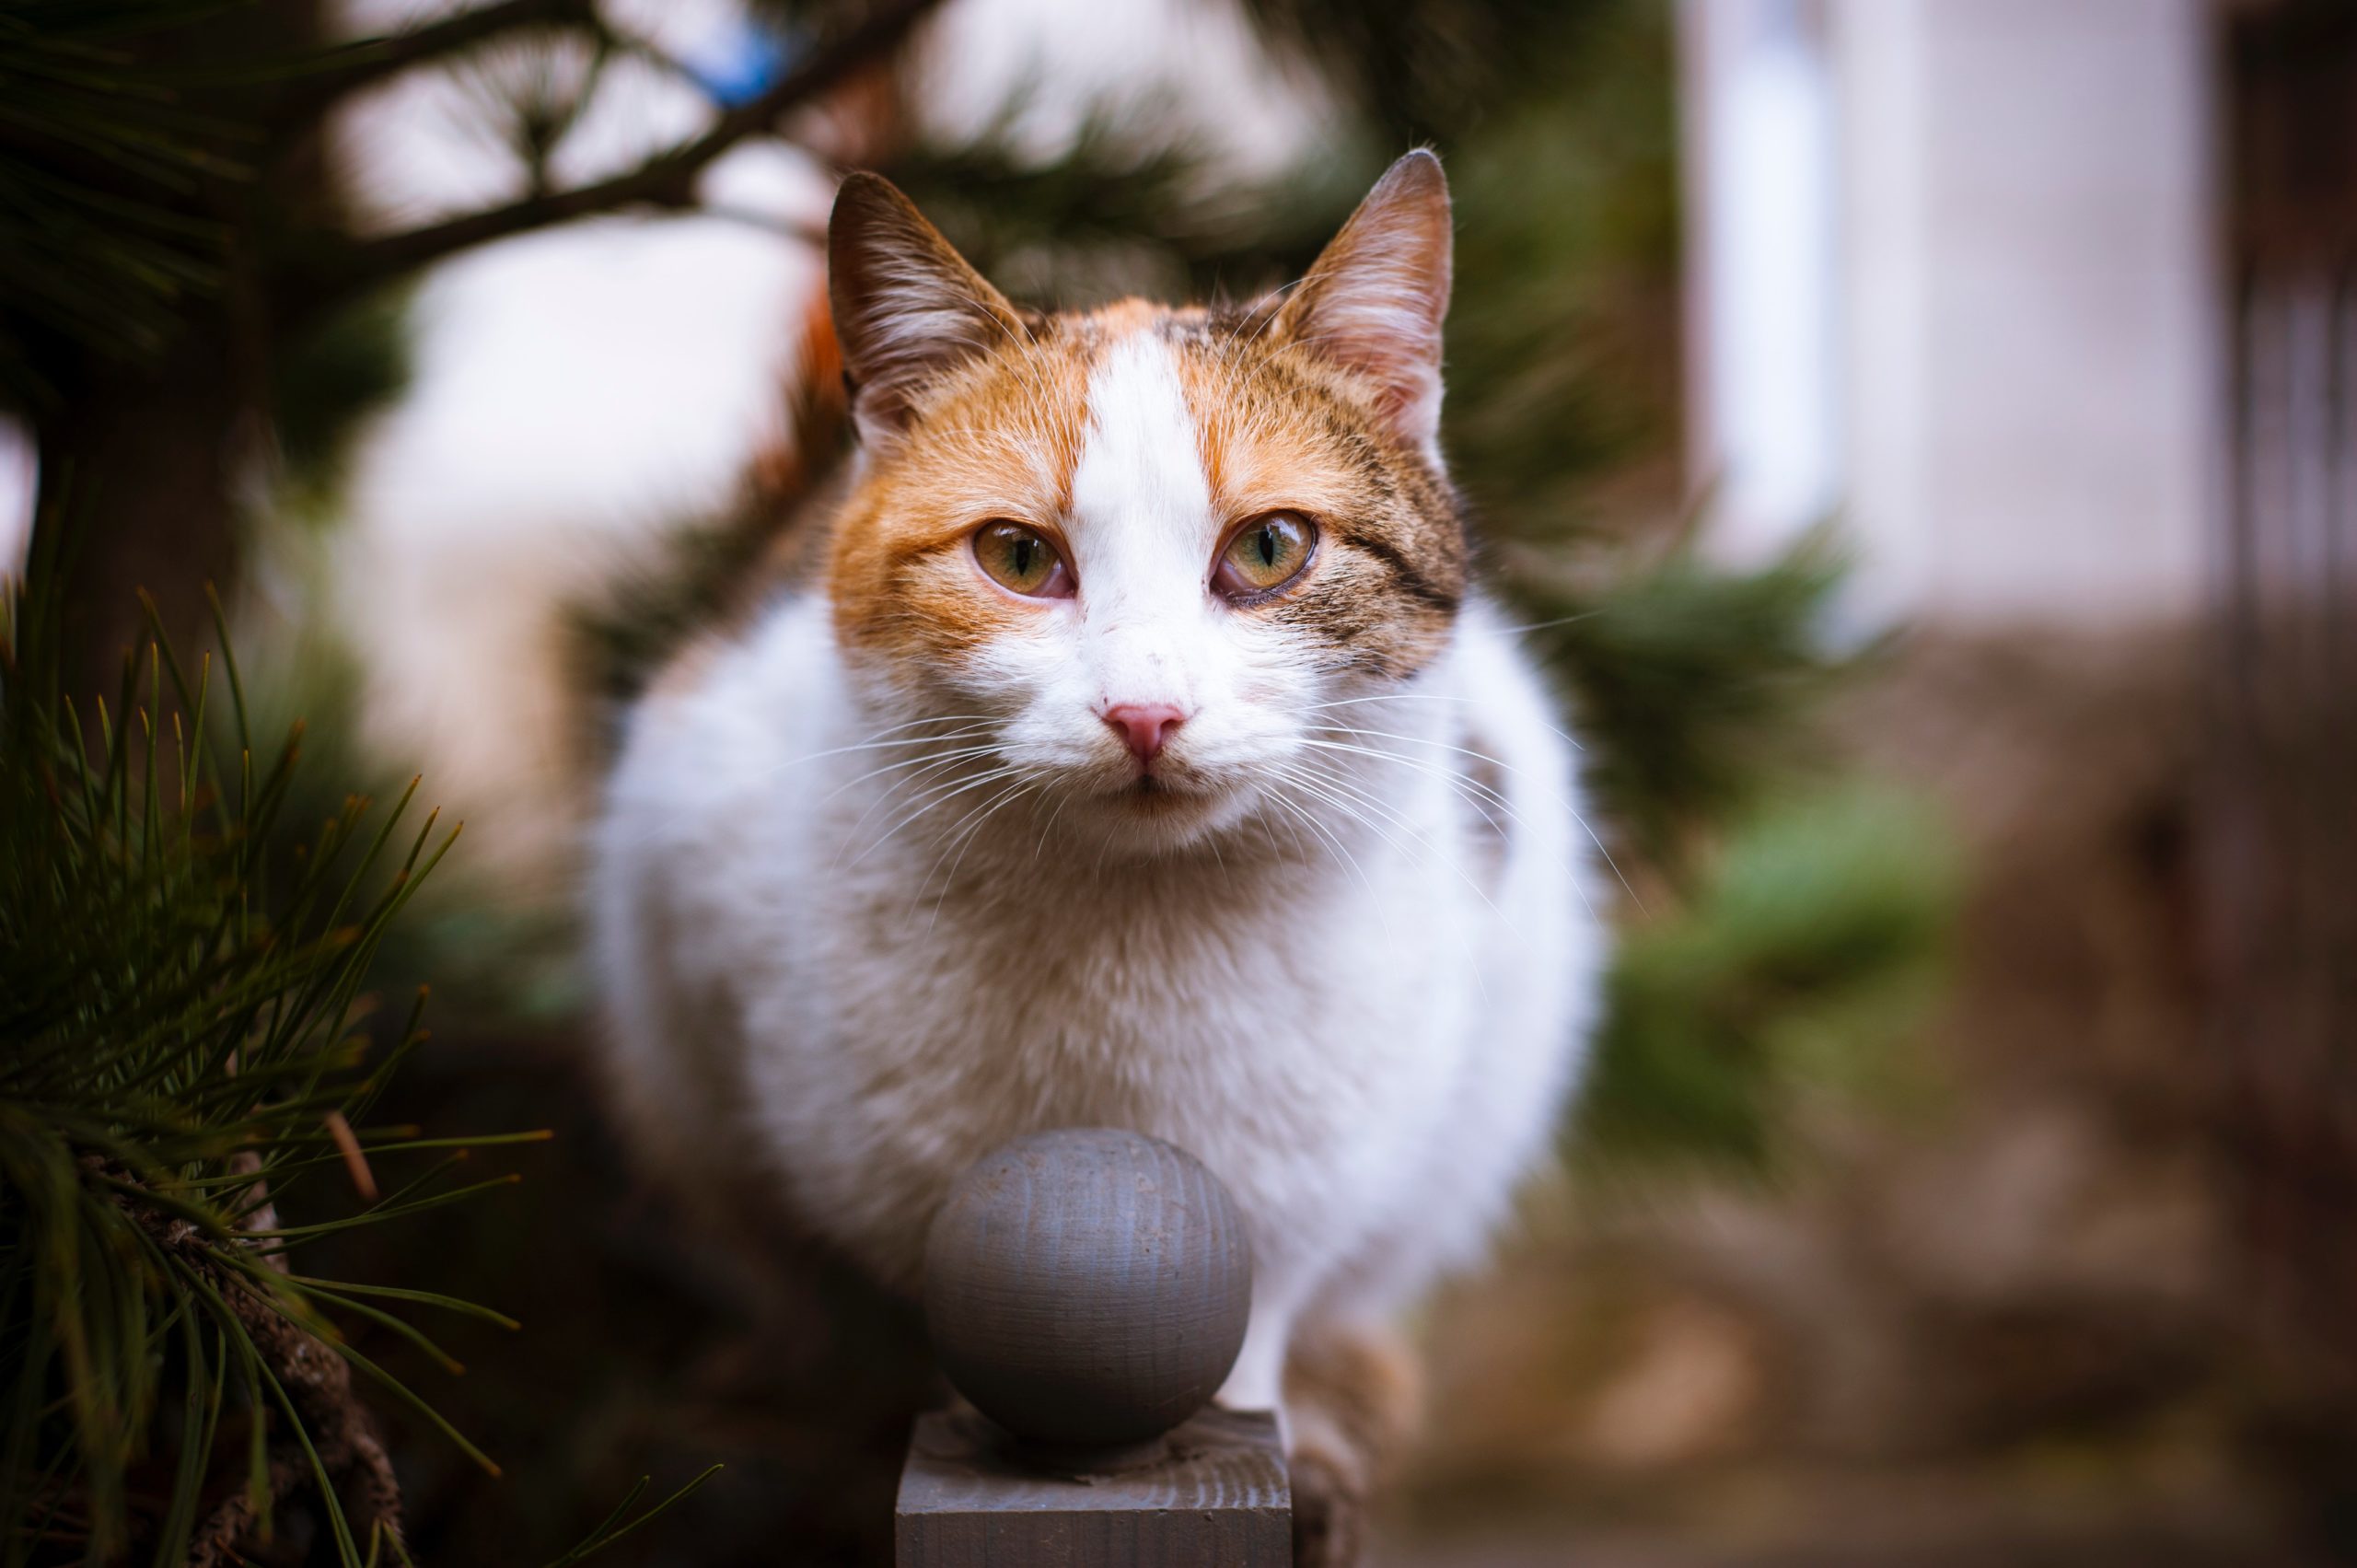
column 189, row 1053
column 185, row 1055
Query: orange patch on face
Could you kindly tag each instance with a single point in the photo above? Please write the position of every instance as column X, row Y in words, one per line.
column 1263, row 447
column 998, row 438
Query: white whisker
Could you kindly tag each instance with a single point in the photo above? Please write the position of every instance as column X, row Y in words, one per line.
column 964, row 834
column 1335, row 788
column 940, row 794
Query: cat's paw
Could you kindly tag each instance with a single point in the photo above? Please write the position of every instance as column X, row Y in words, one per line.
column 1351, row 1399
column 1330, row 1506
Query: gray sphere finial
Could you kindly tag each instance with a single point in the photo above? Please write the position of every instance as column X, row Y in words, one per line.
column 1087, row 1285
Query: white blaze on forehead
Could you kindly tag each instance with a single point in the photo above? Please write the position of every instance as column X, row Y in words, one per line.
column 1140, row 482
column 1142, row 526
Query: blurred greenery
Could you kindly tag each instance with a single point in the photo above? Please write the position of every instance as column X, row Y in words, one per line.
column 1127, row 207
column 1810, row 946
column 1563, row 333
column 492, row 963
column 1430, row 69
column 1693, row 682
column 329, row 381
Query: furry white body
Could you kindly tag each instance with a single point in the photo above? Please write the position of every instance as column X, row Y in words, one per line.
column 1366, row 1032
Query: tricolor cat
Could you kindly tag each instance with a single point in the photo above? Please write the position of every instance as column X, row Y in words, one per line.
column 1142, row 757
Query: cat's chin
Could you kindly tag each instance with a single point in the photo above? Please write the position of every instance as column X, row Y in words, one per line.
column 1155, row 817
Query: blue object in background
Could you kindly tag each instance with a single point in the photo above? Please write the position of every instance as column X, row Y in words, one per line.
column 743, row 61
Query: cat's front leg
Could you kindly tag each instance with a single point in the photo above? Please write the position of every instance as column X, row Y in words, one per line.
column 1257, row 1380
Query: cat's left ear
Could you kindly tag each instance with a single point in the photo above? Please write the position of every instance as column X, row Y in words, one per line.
column 1373, row 302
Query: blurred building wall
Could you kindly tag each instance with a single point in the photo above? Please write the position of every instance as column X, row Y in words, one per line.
column 20, row 474
column 1951, row 279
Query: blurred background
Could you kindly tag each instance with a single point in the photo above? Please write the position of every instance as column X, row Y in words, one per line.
column 1920, row 436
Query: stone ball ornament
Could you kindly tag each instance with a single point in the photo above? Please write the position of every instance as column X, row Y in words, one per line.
column 1087, row 1286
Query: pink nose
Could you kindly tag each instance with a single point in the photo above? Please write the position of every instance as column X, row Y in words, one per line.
column 1144, row 727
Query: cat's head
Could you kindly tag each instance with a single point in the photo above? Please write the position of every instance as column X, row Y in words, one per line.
column 1143, row 554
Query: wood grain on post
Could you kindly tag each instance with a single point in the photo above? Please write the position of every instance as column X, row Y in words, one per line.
column 1215, row 1496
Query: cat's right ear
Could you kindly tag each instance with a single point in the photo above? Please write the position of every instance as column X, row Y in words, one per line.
column 907, row 307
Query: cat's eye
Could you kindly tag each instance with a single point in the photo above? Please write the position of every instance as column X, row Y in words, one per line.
column 1264, row 556
column 1021, row 560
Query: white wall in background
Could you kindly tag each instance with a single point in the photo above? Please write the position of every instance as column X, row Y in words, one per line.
column 1764, row 271
column 2024, row 300
column 20, row 483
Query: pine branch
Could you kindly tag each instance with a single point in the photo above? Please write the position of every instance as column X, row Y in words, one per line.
column 343, row 1433
column 362, row 64
column 667, row 180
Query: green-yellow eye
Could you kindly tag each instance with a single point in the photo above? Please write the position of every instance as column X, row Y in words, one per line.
column 1021, row 560
column 1264, row 554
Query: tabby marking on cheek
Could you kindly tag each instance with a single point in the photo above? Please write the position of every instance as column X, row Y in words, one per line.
column 1441, row 597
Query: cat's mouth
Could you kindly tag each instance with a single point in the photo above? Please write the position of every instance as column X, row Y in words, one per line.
column 1155, row 811
column 1152, row 792
column 1160, row 799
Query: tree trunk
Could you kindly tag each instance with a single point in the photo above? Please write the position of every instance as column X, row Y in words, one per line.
column 152, row 453
column 144, row 467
